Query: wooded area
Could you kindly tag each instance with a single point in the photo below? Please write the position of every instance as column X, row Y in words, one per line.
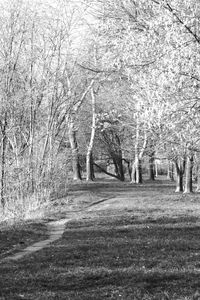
column 96, row 86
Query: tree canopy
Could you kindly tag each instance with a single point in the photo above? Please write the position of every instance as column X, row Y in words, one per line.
column 100, row 84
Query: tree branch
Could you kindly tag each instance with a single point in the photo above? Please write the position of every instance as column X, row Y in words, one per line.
column 104, row 171
column 91, row 69
column 172, row 11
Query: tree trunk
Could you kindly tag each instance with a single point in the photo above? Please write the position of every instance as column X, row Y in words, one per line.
column 136, row 176
column 89, row 160
column 121, row 169
column 118, row 163
column 156, row 169
column 129, row 168
column 72, row 133
column 188, row 179
column 198, row 179
column 89, row 167
column 180, row 169
column 3, row 160
column 152, row 167
column 32, row 117
column 139, row 178
column 133, row 173
column 92, row 167
column 179, row 182
column 170, row 171
column 74, row 148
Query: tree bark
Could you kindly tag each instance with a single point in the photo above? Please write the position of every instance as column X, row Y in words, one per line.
column 135, row 168
column 118, row 160
column 74, row 148
column 3, row 160
column 119, row 169
column 152, row 167
column 89, row 160
column 89, row 167
column 180, row 169
column 129, row 169
column 179, row 182
column 136, row 176
column 198, row 179
column 72, row 132
column 113, row 143
column 32, row 116
column 156, row 169
column 170, row 171
column 188, row 179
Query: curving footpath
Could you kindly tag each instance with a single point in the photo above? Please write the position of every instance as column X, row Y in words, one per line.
column 55, row 229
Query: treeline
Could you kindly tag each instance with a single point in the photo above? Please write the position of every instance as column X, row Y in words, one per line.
column 107, row 81
column 41, row 89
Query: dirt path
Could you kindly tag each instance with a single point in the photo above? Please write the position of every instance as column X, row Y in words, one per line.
column 55, row 230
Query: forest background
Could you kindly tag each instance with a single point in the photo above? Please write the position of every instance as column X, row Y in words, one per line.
column 96, row 86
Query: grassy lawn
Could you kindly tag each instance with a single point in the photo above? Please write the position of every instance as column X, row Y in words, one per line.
column 16, row 237
column 131, row 243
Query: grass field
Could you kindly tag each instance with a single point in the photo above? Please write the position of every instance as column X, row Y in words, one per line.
column 16, row 237
column 127, row 243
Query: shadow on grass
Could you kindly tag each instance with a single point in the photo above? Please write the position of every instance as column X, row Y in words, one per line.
column 113, row 185
column 16, row 237
column 102, row 260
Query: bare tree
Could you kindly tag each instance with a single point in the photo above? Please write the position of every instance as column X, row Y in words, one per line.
column 89, row 158
column 72, row 130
